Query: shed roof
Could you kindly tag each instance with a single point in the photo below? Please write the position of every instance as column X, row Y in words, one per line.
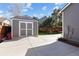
column 22, row 17
column 28, row 18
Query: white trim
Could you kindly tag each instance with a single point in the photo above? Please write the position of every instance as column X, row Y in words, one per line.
column 63, row 24
column 37, row 27
column 32, row 27
column 19, row 29
column 12, row 28
column 65, row 7
column 26, row 27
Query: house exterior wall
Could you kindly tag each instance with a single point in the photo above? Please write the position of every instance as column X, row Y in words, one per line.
column 71, row 22
column 16, row 27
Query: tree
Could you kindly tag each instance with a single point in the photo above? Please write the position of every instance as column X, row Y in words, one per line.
column 56, row 17
column 53, row 22
column 47, row 22
column 36, row 18
column 16, row 8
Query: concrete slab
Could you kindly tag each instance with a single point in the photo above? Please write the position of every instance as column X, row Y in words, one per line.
column 14, row 48
column 54, row 49
column 43, row 45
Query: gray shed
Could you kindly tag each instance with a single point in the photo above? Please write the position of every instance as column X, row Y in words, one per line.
column 23, row 26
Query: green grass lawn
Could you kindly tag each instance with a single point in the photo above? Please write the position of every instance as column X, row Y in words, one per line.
column 46, row 33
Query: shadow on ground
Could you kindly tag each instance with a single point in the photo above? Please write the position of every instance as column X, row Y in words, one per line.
column 55, row 49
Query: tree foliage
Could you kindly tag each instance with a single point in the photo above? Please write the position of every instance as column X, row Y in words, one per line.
column 47, row 22
column 53, row 23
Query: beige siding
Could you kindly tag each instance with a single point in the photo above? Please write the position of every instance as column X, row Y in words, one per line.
column 71, row 19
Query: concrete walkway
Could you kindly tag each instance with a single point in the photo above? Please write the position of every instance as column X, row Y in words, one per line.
column 43, row 45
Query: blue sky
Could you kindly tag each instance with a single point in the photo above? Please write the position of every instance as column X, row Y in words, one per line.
column 32, row 9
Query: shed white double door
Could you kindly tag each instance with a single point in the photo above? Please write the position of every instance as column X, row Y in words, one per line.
column 25, row 29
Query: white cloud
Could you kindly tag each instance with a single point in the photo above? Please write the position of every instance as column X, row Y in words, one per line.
column 18, row 9
column 28, row 5
column 1, row 11
column 56, row 7
column 25, row 10
column 35, row 15
column 6, row 14
column 44, row 8
column 15, row 8
column 39, row 15
column 58, row 4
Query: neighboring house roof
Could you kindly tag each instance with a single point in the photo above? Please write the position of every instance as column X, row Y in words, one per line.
column 6, row 21
column 2, row 19
column 22, row 17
